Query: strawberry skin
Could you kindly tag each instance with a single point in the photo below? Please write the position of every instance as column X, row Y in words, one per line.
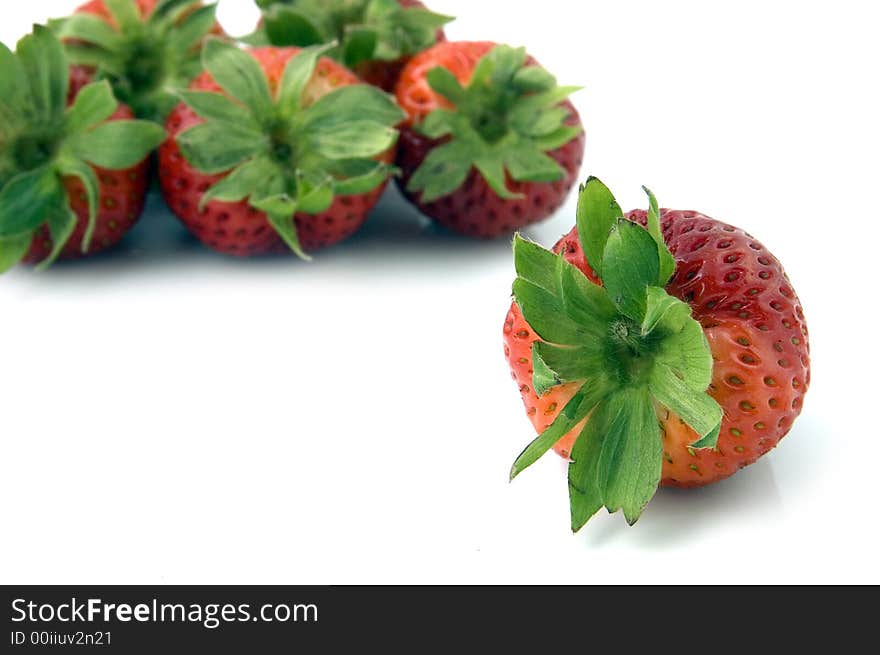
column 238, row 229
column 121, row 197
column 474, row 209
column 756, row 331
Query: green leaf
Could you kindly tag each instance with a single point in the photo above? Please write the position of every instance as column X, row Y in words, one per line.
column 533, row 79
column 577, row 300
column 13, row 250
column 584, row 301
column 575, row 411
column 125, row 13
column 88, row 28
column 118, row 145
column 710, row 440
column 62, row 222
column 547, row 122
column 443, row 171
column 584, row 494
column 630, row 265
column 315, row 194
column 545, row 313
column 109, row 63
column 277, row 203
column 173, row 9
column 239, row 74
column 555, row 365
column 664, row 312
column 359, row 45
column 667, row 261
column 699, row 410
column 631, row 460
column 557, row 138
column 536, row 264
column 94, row 104
column 529, row 164
column 285, row 26
column 687, row 353
column 252, row 177
column 219, row 108
column 26, row 201
column 351, row 140
column 297, row 73
column 284, row 224
column 359, row 101
column 439, row 123
column 402, row 31
column 14, row 92
column 446, row 84
column 365, row 182
column 72, row 167
column 597, row 214
column 45, row 67
column 491, row 167
column 218, row 147
column 192, row 29
column 13, row 82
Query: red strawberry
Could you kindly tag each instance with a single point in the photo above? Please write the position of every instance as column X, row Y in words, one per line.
column 378, row 36
column 493, row 157
column 748, row 313
column 296, row 162
column 157, row 50
column 72, row 178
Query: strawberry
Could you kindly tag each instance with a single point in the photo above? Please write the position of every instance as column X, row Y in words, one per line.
column 690, row 363
column 72, row 178
column 491, row 144
column 276, row 149
column 145, row 48
column 376, row 38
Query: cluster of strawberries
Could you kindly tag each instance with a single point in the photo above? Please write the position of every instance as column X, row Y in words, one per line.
column 285, row 144
column 658, row 347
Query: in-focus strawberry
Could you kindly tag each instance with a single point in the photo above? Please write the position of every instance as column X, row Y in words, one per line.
column 375, row 38
column 146, row 49
column 72, row 178
column 276, row 149
column 491, row 143
column 658, row 347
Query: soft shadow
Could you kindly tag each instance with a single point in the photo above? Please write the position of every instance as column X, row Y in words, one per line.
column 395, row 238
column 676, row 515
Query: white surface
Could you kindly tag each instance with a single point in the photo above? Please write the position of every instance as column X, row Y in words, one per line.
column 173, row 416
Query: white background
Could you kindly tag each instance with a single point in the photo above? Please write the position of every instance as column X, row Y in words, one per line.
column 173, row 416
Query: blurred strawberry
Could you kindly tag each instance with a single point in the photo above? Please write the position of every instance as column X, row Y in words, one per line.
column 276, row 149
column 145, row 48
column 491, row 143
column 72, row 179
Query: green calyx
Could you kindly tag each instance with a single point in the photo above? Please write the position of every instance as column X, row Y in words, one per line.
column 633, row 350
column 42, row 141
column 144, row 58
column 286, row 154
column 504, row 123
column 363, row 30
